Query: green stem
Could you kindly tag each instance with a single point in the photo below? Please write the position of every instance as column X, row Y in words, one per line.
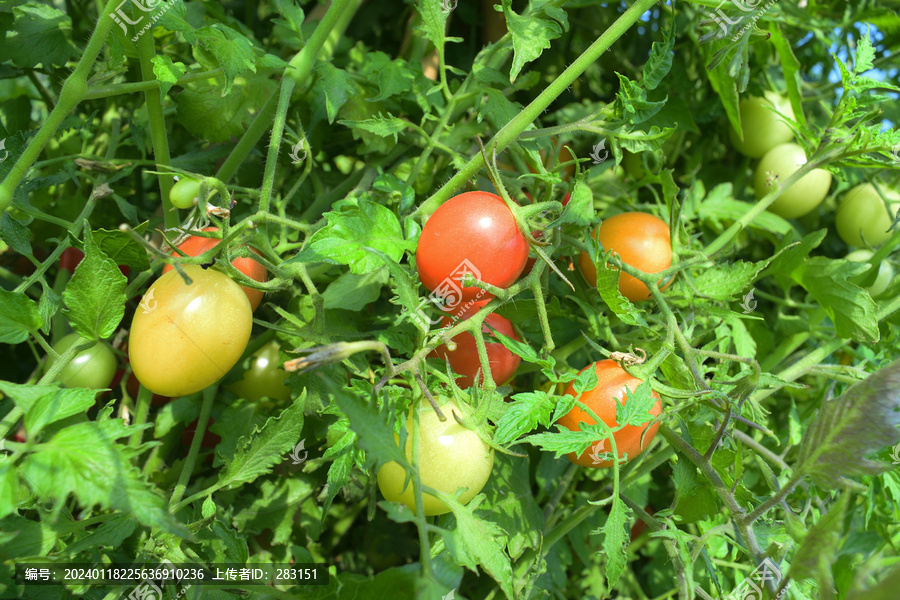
column 158, row 136
column 187, row 469
column 140, row 417
column 509, row 132
column 72, row 93
column 256, row 130
column 118, row 89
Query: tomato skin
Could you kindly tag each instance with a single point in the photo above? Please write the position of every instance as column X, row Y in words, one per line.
column 476, row 227
column 265, row 378
column 612, row 380
column 641, row 240
column 197, row 245
column 72, row 257
column 862, row 217
column 464, row 359
column 192, row 335
column 185, row 192
column 802, row 197
column 92, row 368
column 763, row 129
column 450, row 457
column 210, row 439
column 885, row 271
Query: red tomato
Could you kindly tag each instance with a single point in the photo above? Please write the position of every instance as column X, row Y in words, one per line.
column 72, row 257
column 472, row 232
column 464, row 359
column 612, row 380
column 196, row 245
column 641, row 240
column 210, row 439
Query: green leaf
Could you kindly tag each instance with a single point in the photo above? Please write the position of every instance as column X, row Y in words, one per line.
column 818, row 550
column 95, row 296
column 19, row 317
column 354, row 292
column 31, row 538
column 479, row 542
column 15, row 234
column 39, row 34
column 121, row 247
column 528, row 409
column 497, row 108
column 726, row 280
column 846, row 430
column 9, row 486
column 233, row 52
column 660, row 62
column 46, row 404
column 380, row 126
column 269, row 446
column 372, row 426
column 531, row 35
column 349, row 235
column 636, row 408
column 335, row 86
column 565, row 441
column 614, row 541
column 205, row 114
column 850, row 307
column 110, row 533
column 85, row 459
column 393, row 77
column 167, row 72
column 512, row 505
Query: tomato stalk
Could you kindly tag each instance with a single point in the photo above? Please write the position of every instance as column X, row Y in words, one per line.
column 509, row 132
column 187, row 469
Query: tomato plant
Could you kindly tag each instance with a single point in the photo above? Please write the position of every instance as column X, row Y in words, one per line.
column 92, row 368
column 602, row 399
column 804, row 195
column 450, row 457
column 354, row 155
column 864, row 216
column 762, row 127
column 473, row 232
column 197, row 245
column 464, row 357
column 640, row 240
column 186, row 337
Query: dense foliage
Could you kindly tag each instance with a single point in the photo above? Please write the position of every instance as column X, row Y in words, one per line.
column 758, row 434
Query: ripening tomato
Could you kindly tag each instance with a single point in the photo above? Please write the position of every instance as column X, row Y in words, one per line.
column 473, row 232
column 196, row 245
column 92, row 368
column 264, row 378
column 185, row 192
column 641, row 240
column 612, row 381
column 464, row 359
column 863, row 218
column 450, row 457
column 778, row 164
column 885, row 271
column 763, row 127
column 186, row 337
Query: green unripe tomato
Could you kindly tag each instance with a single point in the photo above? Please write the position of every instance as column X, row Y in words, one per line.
column 763, row 129
column 885, row 271
column 449, row 457
column 264, row 378
column 185, row 192
column 862, row 217
column 91, row 368
column 776, row 166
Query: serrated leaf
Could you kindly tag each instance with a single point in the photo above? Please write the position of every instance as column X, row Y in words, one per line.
column 528, row 409
column 614, row 541
column 335, row 86
column 479, row 542
column 726, row 280
column 46, row 404
column 374, row 433
column 565, row 441
column 110, row 533
column 205, row 114
column 660, row 62
column 354, row 292
column 167, row 72
column 39, row 34
column 351, row 233
column 381, row 126
column 95, row 296
column 269, row 446
column 817, row 551
column 15, row 234
column 19, row 317
column 864, row 419
column 531, row 35
column 849, row 306
column 84, row 459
